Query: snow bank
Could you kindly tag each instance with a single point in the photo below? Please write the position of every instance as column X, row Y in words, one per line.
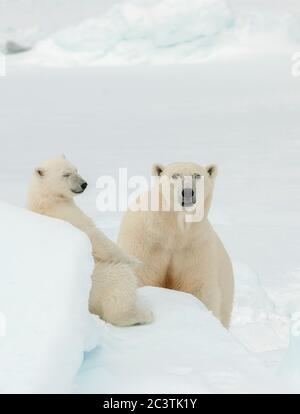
column 135, row 31
column 44, row 285
column 45, row 326
column 186, row 350
column 255, row 320
column 158, row 31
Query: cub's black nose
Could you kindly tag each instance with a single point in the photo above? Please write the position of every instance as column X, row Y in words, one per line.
column 83, row 186
column 187, row 192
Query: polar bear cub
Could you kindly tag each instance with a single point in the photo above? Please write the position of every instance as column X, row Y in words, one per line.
column 113, row 295
column 177, row 252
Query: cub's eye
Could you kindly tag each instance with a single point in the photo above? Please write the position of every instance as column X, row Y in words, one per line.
column 66, row 175
column 197, row 176
column 175, row 176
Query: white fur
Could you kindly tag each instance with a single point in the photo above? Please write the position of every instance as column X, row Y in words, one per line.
column 186, row 256
column 113, row 294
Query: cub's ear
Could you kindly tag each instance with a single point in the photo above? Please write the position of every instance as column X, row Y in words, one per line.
column 157, row 169
column 212, row 170
column 40, row 172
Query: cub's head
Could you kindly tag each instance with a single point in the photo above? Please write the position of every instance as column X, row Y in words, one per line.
column 190, row 183
column 58, row 177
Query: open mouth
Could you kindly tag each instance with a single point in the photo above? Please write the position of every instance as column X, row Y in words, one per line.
column 188, row 202
column 77, row 191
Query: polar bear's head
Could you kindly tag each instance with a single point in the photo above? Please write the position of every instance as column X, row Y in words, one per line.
column 184, row 178
column 58, row 178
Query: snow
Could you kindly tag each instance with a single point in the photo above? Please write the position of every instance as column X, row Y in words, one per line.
column 42, row 346
column 30, row 21
column 182, row 352
column 159, row 31
column 290, row 366
column 152, row 31
column 238, row 107
column 45, row 281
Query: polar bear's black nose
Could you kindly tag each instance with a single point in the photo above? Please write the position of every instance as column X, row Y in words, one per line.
column 187, row 192
column 83, row 186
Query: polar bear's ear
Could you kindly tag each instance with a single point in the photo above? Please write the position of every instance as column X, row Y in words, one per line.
column 212, row 170
column 40, row 172
column 157, row 169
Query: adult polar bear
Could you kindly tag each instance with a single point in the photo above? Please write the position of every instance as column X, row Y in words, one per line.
column 113, row 294
column 175, row 253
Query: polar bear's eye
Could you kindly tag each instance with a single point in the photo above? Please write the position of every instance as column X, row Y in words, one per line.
column 197, row 176
column 175, row 176
column 66, row 175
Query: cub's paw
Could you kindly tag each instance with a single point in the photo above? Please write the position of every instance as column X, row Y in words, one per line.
column 134, row 317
